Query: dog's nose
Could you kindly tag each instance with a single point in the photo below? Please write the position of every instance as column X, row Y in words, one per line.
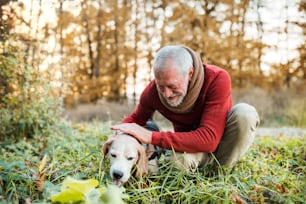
column 117, row 174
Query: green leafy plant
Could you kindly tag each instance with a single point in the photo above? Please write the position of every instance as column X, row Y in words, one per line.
column 27, row 107
column 85, row 191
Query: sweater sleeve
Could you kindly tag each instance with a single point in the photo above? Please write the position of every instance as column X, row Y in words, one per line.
column 216, row 104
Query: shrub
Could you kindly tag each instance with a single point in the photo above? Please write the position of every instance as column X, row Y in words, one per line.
column 26, row 105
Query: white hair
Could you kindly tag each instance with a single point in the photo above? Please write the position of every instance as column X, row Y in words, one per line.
column 182, row 59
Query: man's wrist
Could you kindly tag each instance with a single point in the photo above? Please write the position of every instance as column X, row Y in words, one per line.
column 150, row 137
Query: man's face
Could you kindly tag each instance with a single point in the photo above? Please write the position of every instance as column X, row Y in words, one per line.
column 172, row 86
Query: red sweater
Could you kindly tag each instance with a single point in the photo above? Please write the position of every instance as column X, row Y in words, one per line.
column 199, row 130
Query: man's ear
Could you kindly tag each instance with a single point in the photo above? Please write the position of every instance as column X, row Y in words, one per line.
column 190, row 74
column 142, row 162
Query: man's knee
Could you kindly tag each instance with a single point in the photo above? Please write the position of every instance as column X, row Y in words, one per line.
column 239, row 134
column 245, row 114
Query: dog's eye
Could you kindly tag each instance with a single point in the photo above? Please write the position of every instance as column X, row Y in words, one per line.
column 130, row 158
column 113, row 155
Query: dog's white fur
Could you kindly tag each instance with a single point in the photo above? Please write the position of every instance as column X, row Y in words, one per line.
column 125, row 152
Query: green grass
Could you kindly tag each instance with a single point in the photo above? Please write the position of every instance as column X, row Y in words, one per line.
column 273, row 171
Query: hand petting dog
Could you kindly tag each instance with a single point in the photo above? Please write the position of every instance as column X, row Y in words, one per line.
column 142, row 134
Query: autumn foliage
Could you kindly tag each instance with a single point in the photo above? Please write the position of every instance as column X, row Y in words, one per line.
column 104, row 49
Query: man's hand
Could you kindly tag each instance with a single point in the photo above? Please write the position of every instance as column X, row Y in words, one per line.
column 140, row 133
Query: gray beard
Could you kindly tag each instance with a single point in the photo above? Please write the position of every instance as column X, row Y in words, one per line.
column 175, row 104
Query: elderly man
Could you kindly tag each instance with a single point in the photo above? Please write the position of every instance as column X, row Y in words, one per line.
column 196, row 98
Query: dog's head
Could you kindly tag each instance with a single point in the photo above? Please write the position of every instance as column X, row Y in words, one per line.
column 125, row 152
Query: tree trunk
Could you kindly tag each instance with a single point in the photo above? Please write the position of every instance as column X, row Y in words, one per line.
column 89, row 40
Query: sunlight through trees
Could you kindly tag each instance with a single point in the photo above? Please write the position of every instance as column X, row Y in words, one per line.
column 104, row 48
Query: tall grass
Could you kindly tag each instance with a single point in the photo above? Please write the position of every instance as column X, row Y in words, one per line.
column 272, row 176
column 273, row 171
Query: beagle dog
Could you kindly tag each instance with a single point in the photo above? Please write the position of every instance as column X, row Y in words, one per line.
column 125, row 152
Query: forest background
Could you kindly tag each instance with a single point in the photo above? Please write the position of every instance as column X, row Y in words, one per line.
column 101, row 52
column 71, row 68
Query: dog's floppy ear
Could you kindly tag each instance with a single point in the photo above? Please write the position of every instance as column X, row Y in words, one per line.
column 106, row 146
column 142, row 162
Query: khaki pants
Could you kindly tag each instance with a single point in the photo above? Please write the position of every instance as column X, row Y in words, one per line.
column 238, row 136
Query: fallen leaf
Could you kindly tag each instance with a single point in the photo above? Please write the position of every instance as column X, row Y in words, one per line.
column 40, row 181
column 237, row 198
column 37, row 175
column 280, row 188
column 42, row 163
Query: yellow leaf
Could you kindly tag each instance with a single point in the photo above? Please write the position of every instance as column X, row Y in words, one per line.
column 42, row 163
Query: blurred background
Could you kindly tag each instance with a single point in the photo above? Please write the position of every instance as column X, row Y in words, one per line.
column 90, row 59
